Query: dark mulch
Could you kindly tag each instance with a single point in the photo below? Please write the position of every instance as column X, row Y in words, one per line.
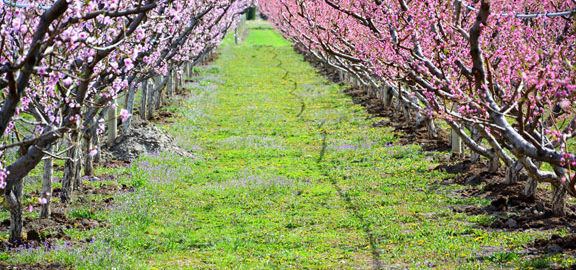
column 36, row 266
column 46, row 232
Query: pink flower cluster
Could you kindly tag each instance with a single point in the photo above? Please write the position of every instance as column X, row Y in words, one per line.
column 474, row 65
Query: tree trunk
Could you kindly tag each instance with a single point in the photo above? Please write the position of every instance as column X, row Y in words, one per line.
column 152, row 89
column 14, row 203
column 175, row 81
column 170, row 84
column 432, row 131
column 96, row 143
column 532, row 184
column 559, row 200
column 166, row 92
column 68, row 180
column 47, row 186
column 78, row 167
column 112, row 124
column 388, row 96
column 144, row 100
column 158, row 97
column 530, row 188
column 88, row 159
column 477, row 137
column 456, row 143
column 513, row 172
column 129, row 106
column 495, row 163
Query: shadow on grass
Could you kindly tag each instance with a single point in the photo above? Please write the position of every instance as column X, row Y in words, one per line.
column 376, row 257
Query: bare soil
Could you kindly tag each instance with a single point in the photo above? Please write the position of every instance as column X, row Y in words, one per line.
column 144, row 137
column 36, row 266
column 46, row 232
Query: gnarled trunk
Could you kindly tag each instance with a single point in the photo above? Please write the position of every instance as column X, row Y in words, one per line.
column 70, row 169
column 14, row 203
column 88, row 159
column 559, row 200
column 495, row 164
column 531, row 184
column 512, row 173
column 477, row 137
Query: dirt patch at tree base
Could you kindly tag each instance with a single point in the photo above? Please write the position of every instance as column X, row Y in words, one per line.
column 46, row 233
column 555, row 245
column 41, row 232
column 143, row 137
column 404, row 131
column 36, row 266
column 509, row 208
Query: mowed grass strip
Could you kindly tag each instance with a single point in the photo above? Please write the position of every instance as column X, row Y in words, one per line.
column 295, row 176
column 291, row 174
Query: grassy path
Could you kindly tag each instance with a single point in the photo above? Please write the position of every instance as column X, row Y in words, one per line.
column 294, row 175
column 291, row 174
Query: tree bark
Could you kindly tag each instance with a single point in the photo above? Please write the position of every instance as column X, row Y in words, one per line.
column 559, row 200
column 388, row 96
column 495, row 163
column 47, row 186
column 431, row 127
column 14, row 203
column 477, row 137
column 512, row 173
column 531, row 184
column 112, row 124
column 96, row 143
column 88, row 159
column 530, row 188
column 68, row 180
column 78, row 168
column 182, row 78
column 144, row 100
column 456, row 143
column 129, row 106
column 170, row 86
column 152, row 89
column 158, row 97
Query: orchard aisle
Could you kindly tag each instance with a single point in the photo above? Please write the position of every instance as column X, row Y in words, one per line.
column 294, row 175
column 290, row 174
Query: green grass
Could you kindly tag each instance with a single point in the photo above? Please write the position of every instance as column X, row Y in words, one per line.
column 292, row 175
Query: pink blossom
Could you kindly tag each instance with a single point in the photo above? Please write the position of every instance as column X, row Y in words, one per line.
column 67, row 81
column 124, row 115
column 128, row 64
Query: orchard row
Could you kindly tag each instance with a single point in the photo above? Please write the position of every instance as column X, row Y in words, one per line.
column 65, row 64
column 501, row 74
